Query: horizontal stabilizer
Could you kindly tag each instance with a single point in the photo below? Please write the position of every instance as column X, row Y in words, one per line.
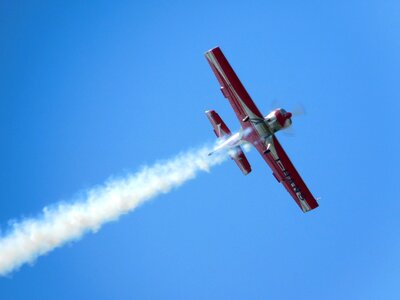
column 222, row 132
column 220, row 128
column 240, row 159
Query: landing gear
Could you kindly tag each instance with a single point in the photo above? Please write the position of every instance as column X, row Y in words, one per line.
column 268, row 150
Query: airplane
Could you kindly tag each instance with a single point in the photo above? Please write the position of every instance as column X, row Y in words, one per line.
column 256, row 130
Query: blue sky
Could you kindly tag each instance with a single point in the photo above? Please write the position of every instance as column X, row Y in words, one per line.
column 94, row 89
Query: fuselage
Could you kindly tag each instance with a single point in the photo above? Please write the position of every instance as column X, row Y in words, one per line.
column 276, row 120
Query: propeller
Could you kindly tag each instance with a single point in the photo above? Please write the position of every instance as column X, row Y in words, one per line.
column 296, row 111
column 289, row 131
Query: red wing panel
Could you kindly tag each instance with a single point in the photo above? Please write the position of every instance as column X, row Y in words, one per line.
column 232, row 88
column 220, row 128
column 241, row 160
column 286, row 173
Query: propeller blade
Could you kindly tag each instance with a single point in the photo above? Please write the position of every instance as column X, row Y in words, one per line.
column 299, row 110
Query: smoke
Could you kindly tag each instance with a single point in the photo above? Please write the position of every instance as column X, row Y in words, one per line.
column 31, row 238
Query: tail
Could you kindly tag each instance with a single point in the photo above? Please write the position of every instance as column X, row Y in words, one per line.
column 222, row 132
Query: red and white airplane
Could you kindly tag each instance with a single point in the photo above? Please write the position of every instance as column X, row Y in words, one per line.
column 256, row 130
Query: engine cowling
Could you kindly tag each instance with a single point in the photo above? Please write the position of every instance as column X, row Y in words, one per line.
column 278, row 119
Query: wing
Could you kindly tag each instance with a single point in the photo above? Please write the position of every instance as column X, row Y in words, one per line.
column 285, row 172
column 232, row 88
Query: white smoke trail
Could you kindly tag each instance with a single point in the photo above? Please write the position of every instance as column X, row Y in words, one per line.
column 31, row 238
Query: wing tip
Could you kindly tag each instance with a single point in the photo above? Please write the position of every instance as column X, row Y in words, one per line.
column 310, row 208
column 212, row 50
